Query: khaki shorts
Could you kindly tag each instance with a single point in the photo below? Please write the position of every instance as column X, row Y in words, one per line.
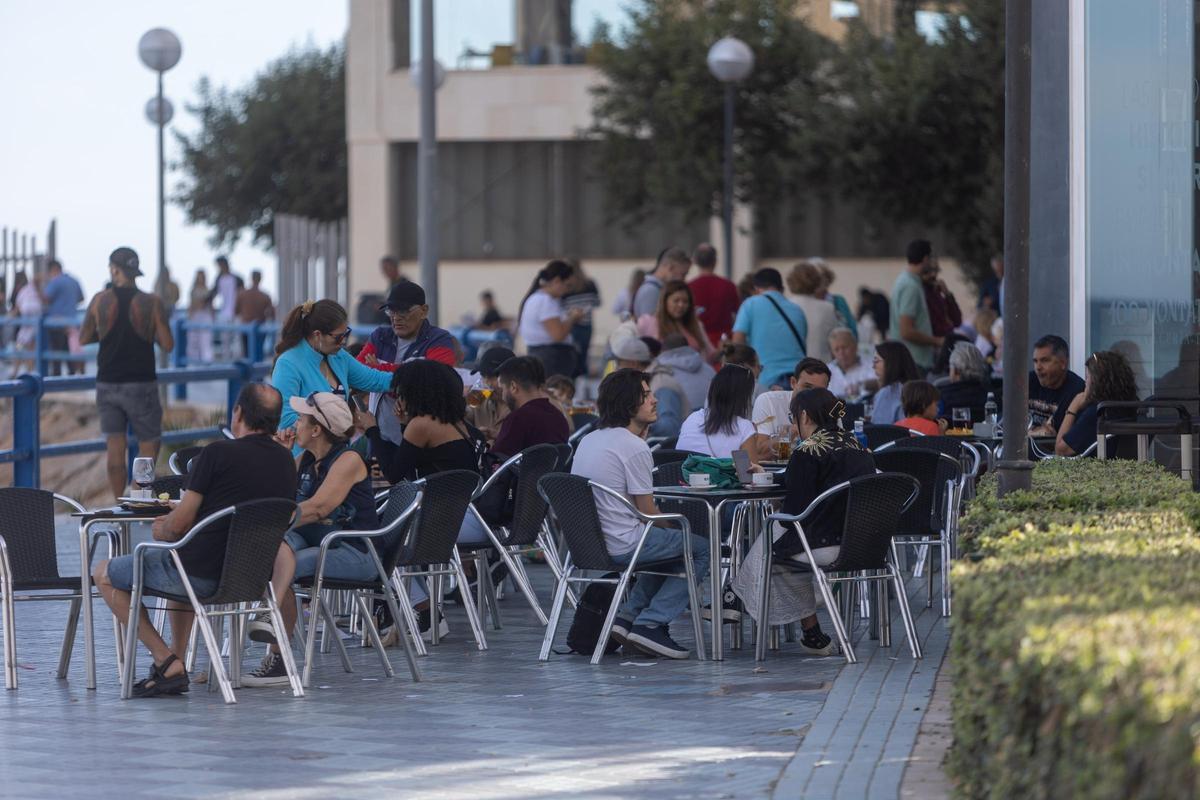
column 130, row 405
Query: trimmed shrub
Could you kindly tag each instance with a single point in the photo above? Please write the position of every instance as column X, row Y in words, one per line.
column 1075, row 651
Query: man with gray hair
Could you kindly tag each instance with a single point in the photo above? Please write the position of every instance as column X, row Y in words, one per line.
column 850, row 374
column 970, row 382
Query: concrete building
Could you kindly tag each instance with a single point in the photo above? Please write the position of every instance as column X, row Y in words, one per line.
column 515, row 185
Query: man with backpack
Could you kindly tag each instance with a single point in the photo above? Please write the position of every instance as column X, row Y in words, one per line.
column 616, row 455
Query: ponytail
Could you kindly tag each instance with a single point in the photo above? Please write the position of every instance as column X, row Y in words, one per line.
column 304, row 319
column 556, row 268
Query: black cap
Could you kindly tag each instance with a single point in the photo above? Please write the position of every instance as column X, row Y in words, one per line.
column 489, row 363
column 125, row 259
column 403, row 296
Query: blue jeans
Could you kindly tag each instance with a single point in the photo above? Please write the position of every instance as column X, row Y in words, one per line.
column 344, row 561
column 656, row 600
column 158, row 573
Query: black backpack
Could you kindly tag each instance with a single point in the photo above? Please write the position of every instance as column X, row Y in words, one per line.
column 589, row 618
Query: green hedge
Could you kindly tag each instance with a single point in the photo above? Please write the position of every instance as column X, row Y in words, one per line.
column 1075, row 643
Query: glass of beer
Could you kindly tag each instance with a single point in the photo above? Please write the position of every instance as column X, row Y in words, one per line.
column 478, row 393
column 783, row 446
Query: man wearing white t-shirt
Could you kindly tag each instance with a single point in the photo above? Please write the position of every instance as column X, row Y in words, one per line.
column 850, row 373
column 771, row 408
column 616, row 456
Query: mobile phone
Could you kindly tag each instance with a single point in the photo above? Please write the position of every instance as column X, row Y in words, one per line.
column 741, row 463
column 360, row 402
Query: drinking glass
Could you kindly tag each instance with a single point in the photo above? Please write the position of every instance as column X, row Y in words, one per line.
column 143, row 474
column 962, row 418
column 478, row 393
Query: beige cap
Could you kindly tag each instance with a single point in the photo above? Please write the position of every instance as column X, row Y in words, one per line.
column 327, row 408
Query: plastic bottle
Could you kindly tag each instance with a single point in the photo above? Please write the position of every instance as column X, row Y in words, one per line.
column 860, row 433
column 989, row 411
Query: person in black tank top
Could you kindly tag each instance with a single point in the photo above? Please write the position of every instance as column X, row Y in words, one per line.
column 127, row 323
column 334, row 493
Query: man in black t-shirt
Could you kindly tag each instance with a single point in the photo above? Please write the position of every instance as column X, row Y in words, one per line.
column 225, row 473
column 1052, row 386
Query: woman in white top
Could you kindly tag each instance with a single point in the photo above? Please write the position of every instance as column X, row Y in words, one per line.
column 722, row 425
column 805, row 280
column 544, row 325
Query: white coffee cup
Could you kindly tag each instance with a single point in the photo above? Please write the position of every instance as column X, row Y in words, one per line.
column 700, row 480
column 762, row 479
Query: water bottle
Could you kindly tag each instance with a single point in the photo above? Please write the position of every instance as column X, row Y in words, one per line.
column 989, row 412
column 860, row 434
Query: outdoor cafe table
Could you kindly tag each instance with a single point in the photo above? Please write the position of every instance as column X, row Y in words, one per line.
column 123, row 518
column 716, row 500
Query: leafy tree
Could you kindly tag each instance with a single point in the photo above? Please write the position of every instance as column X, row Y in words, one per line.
column 278, row 144
column 659, row 116
column 921, row 128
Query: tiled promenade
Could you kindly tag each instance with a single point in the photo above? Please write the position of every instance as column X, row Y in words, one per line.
column 495, row 724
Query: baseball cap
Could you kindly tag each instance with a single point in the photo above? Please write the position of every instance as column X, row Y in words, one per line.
column 326, row 408
column 125, row 259
column 632, row 349
column 403, row 296
column 489, row 363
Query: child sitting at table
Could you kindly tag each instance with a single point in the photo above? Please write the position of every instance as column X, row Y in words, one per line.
column 919, row 399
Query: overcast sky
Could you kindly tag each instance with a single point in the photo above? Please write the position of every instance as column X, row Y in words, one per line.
column 75, row 144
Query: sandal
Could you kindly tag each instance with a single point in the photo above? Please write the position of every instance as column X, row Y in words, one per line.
column 159, row 683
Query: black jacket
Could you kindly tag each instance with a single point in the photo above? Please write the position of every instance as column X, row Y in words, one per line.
column 822, row 461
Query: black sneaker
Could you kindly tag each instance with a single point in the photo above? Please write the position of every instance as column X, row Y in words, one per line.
column 620, row 629
column 656, row 641
column 270, row 673
column 260, row 629
column 815, row 642
column 424, row 623
column 731, row 611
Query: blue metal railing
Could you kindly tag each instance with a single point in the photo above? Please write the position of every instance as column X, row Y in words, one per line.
column 27, row 391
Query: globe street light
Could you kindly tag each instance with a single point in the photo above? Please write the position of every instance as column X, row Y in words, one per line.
column 159, row 49
column 731, row 61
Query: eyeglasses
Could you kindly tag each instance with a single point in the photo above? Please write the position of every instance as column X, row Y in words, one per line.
column 311, row 400
column 411, row 312
column 339, row 338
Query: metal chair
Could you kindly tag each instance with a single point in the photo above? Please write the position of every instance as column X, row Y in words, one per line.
column 29, row 563
column 523, row 532
column 180, row 461
column 384, row 544
column 932, row 519
column 879, row 435
column 430, row 548
column 867, row 554
column 580, row 432
column 573, row 499
column 664, row 456
column 256, row 530
column 964, row 452
column 565, row 454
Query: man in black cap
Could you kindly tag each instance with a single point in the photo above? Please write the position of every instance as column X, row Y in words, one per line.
column 486, row 413
column 126, row 322
column 408, row 335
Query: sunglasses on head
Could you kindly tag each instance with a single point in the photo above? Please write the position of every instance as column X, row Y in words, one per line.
column 311, row 400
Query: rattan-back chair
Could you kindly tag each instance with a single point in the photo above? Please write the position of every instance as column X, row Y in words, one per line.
column 867, row 554
column 29, row 567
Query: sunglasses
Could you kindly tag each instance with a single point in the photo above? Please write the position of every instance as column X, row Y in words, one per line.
column 311, row 400
column 340, row 338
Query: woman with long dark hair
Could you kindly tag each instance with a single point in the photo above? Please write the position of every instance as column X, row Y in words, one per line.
column 894, row 366
column 724, row 425
column 1108, row 377
column 545, row 325
column 311, row 357
column 676, row 313
column 825, row 457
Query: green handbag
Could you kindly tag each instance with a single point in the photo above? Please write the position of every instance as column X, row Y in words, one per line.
column 720, row 470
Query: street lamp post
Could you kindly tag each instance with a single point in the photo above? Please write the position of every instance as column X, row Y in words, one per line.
column 159, row 49
column 428, row 75
column 731, row 61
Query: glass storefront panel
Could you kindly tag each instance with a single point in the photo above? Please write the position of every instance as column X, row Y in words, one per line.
column 1140, row 189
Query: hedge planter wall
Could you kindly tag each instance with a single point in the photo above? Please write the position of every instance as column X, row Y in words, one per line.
column 1076, row 645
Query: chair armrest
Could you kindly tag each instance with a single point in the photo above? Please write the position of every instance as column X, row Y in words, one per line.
column 496, row 475
column 187, row 537
column 75, row 504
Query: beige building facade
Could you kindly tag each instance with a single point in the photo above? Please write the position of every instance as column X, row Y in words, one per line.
column 513, row 190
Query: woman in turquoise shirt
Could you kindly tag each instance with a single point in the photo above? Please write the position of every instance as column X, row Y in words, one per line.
column 310, row 358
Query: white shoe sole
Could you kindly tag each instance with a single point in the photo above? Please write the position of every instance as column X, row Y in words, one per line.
column 251, row 682
column 443, row 631
column 619, row 632
column 654, row 648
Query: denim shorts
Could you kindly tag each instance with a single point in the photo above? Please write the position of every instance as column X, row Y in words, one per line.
column 158, row 573
column 344, row 561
